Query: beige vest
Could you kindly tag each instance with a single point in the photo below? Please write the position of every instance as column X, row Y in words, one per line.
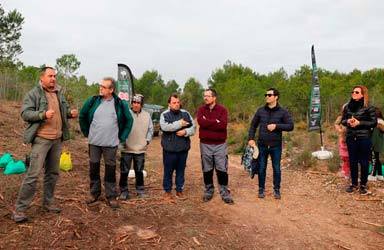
column 136, row 141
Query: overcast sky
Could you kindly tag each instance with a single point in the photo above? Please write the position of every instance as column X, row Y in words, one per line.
column 183, row 39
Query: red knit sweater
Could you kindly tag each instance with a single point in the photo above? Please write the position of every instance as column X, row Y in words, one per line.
column 213, row 124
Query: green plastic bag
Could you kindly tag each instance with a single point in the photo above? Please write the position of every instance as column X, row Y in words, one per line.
column 5, row 159
column 17, row 167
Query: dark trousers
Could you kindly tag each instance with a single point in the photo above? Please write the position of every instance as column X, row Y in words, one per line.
column 174, row 161
column 125, row 165
column 359, row 150
column 275, row 153
column 109, row 155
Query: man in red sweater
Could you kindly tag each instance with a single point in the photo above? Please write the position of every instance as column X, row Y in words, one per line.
column 212, row 119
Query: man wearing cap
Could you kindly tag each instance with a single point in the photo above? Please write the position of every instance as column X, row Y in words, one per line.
column 135, row 148
column 272, row 120
column 213, row 120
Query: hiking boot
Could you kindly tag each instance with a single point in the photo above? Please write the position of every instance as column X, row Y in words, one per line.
column 363, row 190
column 50, row 209
column 380, row 178
column 228, row 200
column 124, row 196
column 261, row 193
column 180, row 196
column 351, row 189
column 113, row 203
column 19, row 216
column 167, row 196
column 207, row 197
column 143, row 196
column 277, row 194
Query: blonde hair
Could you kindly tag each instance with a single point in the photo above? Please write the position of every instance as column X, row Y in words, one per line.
column 364, row 91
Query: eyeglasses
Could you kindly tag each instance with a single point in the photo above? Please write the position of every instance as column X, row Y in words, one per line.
column 207, row 96
column 269, row 95
column 355, row 92
column 103, row 87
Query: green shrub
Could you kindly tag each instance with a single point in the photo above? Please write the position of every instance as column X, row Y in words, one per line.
column 304, row 160
column 334, row 163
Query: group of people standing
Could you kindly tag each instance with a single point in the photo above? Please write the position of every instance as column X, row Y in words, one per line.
column 109, row 124
column 361, row 132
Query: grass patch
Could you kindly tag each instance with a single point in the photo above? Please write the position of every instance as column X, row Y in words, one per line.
column 304, row 160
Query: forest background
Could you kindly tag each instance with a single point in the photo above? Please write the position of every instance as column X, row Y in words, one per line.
column 240, row 88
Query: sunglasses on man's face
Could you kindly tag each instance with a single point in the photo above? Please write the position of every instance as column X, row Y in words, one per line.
column 355, row 92
column 269, row 95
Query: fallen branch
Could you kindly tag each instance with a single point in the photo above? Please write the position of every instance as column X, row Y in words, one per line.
column 196, row 241
column 123, row 238
column 371, row 223
column 54, row 241
column 365, row 199
column 382, row 234
column 67, row 199
column 317, row 172
column 17, row 132
column 343, row 247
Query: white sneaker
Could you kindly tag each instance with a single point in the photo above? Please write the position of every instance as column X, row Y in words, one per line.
column 371, row 178
column 380, row 178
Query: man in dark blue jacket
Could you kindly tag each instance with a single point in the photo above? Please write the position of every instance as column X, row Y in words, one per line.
column 177, row 126
column 272, row 120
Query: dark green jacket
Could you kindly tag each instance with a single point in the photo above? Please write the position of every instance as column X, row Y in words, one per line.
column 124, row 117
column 35, row 105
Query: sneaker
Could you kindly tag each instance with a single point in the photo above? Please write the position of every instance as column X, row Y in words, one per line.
column 277, row 194
column 19, row 216
column 167, row 196
column 363, row 190
column 180, row 196
column 371, row 178
column 228, row 200
column 261, row 193
column 380, row 178
column 207, row 197
column 124, row 196
column 143, row 196
column 351, row 189
column 113, row 203
column 50, row 209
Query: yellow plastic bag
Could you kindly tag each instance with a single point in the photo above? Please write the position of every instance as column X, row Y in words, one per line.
column 65, row 161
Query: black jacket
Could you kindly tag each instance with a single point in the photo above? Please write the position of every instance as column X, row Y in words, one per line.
column 264, row 116
column 366, row 116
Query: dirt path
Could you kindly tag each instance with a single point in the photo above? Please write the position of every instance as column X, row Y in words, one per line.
column 314, row 212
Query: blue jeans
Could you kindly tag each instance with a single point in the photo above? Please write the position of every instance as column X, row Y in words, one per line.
column 174, row 161
column 275, row 153
column 359, row 151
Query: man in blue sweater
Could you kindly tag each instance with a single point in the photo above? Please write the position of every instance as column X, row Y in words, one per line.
column 272, row 120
